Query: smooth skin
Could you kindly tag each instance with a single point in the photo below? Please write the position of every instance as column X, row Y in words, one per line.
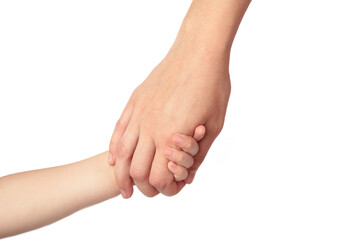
column 190, row 86
column 33, row 199
column 181, row 160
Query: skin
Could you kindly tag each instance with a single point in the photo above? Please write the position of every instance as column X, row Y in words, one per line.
column 181, row 160
column 53, row 193
column 33, row 199
column 190, row 86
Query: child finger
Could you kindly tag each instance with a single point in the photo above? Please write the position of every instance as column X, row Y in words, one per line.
column 179, row 157
column 180, row 173
column 199, row 132
column 186, row 143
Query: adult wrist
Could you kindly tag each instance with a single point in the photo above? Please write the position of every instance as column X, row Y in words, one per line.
column 202, row 45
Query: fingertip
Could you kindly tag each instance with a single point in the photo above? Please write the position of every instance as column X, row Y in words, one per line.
column 123, row 181
column 180, row 173
column 111, row 160
column 199, row 132
column 127, row 194
column 172, row 165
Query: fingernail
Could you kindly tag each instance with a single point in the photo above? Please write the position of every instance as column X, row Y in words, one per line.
column 178, row 139
column 169, row 153
column 191, row 176
column 110, row 158
column 173, row 165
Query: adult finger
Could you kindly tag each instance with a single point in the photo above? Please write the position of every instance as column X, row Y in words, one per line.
column 119, row 130
column 121, row 171
column 160, row 176
column 124, row 152
column 141, row 165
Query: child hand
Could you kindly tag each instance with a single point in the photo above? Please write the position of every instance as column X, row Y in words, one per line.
column 181, row 160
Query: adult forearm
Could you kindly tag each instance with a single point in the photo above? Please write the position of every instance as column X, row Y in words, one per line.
column 33, row 199
column 210, row 26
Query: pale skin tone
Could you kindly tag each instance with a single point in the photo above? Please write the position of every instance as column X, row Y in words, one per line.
column 190, row 86
column 33, row 199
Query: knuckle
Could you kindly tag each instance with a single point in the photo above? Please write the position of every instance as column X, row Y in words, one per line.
column 138, row 174
column 121, row 151
column 158, row 182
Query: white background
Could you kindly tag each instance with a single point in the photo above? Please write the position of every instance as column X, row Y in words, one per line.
column 287, row 163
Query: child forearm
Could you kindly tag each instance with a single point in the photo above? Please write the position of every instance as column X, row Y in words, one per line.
column 36, row 198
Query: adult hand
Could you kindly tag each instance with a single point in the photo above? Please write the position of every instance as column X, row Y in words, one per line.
column 190, row 87
column 185, row 90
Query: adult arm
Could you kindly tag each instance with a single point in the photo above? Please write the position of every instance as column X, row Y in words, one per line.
column 191, row 86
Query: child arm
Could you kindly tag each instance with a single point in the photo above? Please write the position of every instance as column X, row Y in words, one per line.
column 29, row 200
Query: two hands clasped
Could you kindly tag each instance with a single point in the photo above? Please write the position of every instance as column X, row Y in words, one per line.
column 29, row 200
column 180, row 157
column 161, row 138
